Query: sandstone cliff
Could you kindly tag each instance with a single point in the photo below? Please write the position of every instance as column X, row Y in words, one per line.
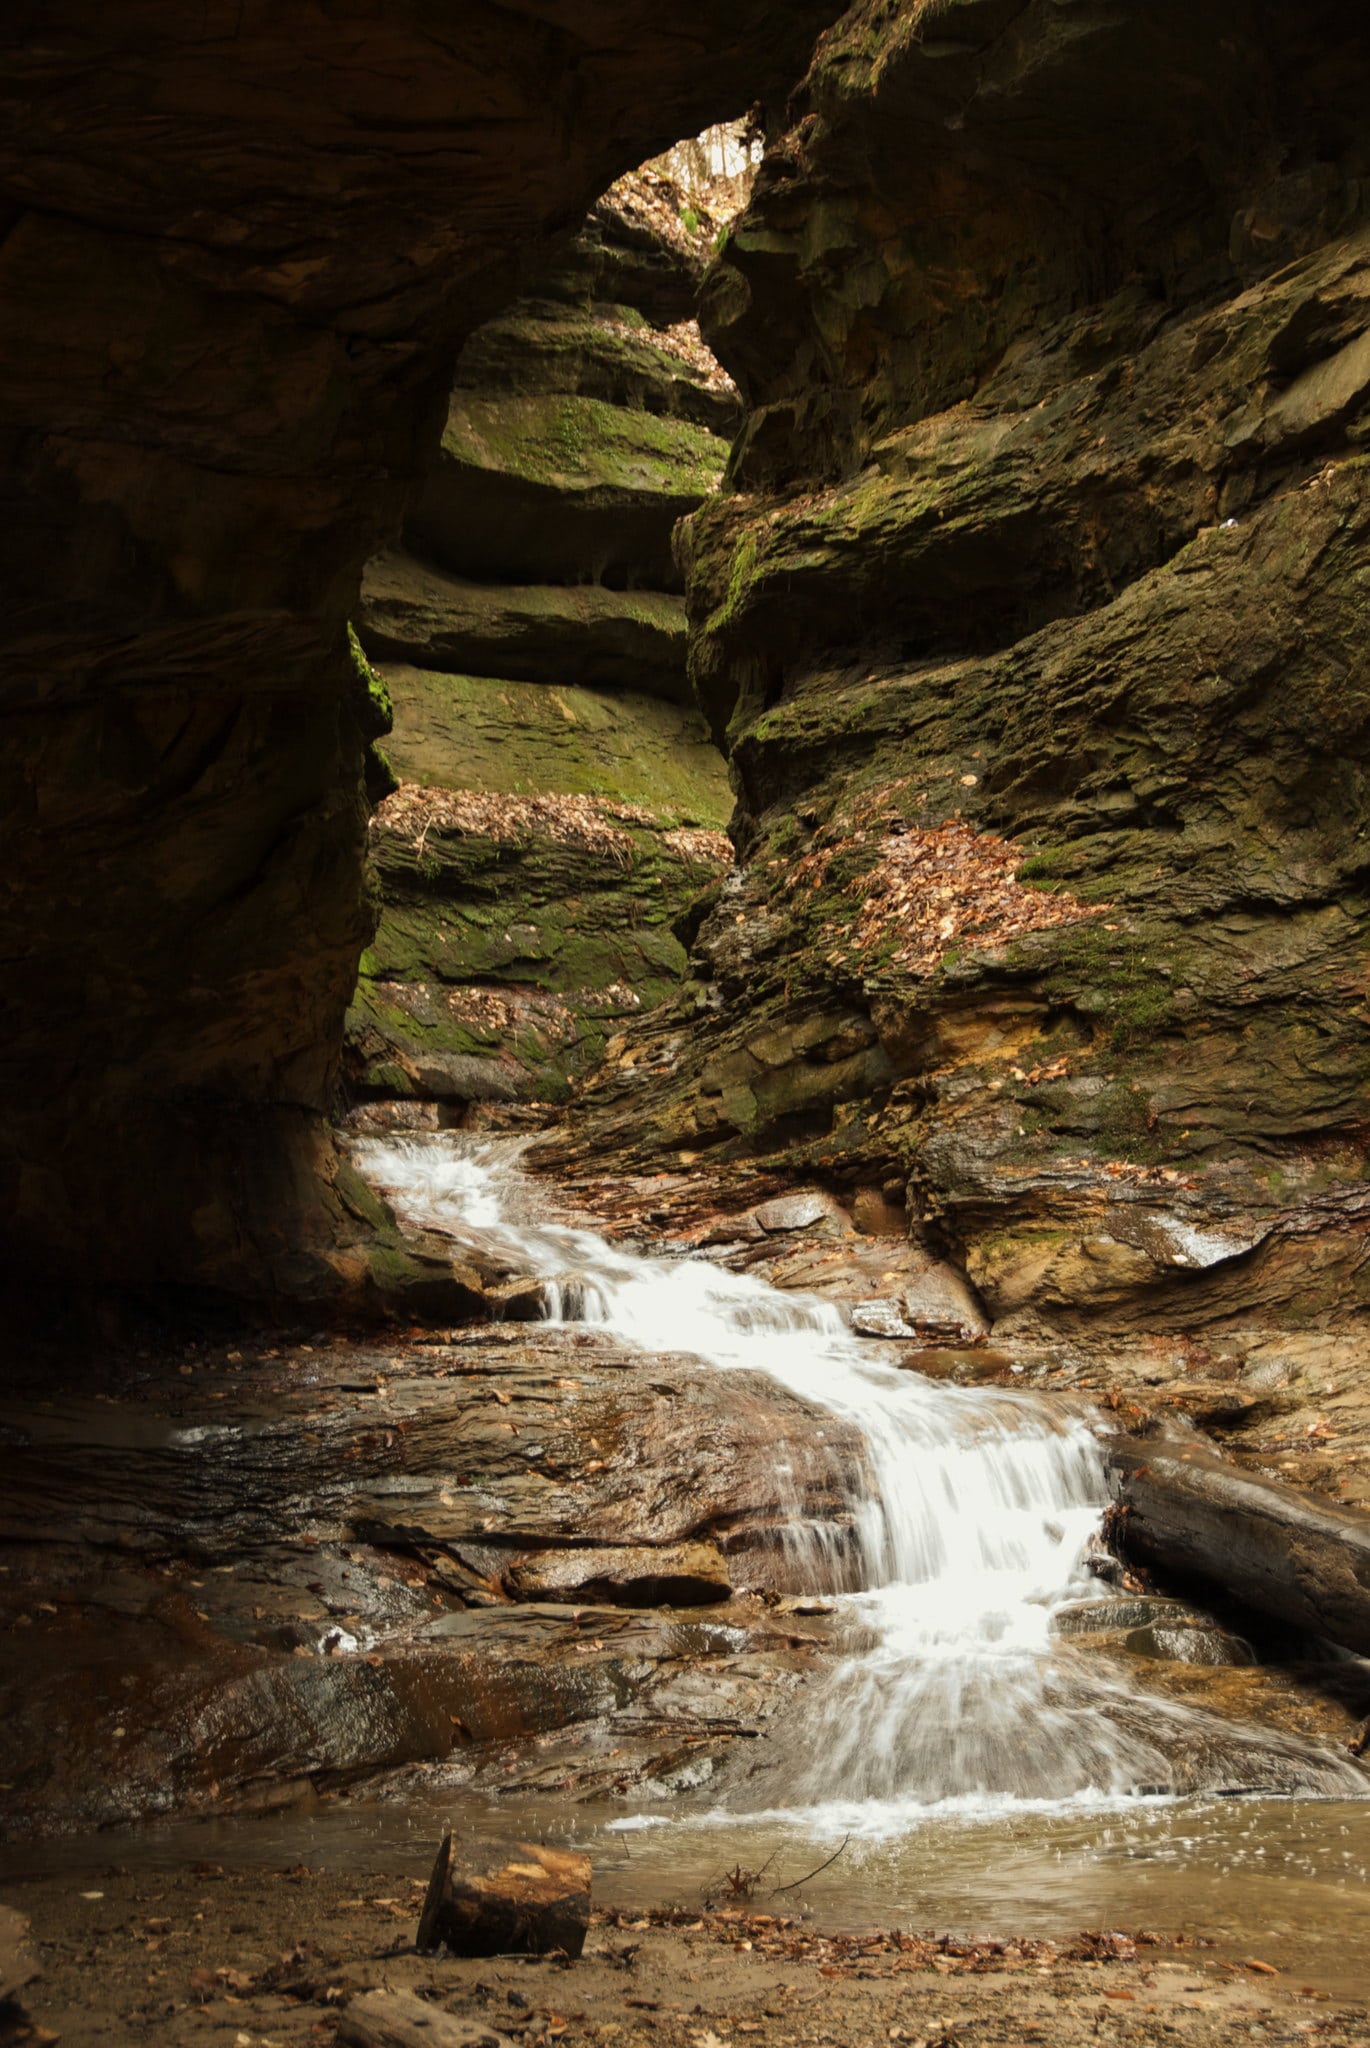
column 241, row 247
column 1034, row 623
column 561, row 800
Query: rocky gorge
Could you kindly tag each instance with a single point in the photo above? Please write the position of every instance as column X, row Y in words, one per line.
column 528, row 1301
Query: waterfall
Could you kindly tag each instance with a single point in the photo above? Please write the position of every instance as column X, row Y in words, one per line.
column 977, row 1508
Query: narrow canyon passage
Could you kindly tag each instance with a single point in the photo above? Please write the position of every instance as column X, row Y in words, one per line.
column 688, row 1019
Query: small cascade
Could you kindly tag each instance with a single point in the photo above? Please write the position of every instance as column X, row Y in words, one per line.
column 976, row 1510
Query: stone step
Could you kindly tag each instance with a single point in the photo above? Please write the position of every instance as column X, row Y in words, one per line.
column 537, row 633
column 607, row 352
column 557, row 489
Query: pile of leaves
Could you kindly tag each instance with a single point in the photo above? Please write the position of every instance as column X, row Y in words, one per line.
column 707, row 849
column 892, row 1953
column 593, row 823
column 652, row 198
column 931, row 889
column 685, row 341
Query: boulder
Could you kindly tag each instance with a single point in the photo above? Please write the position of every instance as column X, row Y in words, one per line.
column 936, row 1302
column 550, row 489
column 461, row 1077
column 804, row 1210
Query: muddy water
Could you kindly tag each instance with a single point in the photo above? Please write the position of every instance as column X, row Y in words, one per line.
column 1283, row 1880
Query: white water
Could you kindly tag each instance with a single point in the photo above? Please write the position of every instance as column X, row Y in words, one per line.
column 972, row 1520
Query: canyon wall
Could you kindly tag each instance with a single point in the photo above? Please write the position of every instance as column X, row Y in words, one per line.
column 1034, row 620
column 239, row 248
column 560, row 800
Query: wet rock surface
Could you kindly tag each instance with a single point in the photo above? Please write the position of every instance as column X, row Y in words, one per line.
column 229, row 1583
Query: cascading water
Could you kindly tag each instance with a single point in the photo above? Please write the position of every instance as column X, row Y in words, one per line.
column 976, row 1511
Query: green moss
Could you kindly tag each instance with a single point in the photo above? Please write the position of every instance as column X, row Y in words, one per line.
column 575, row 443
column 381, row 779
column 741, row 576
column 1142, row 1010
column 473, row 732
column 379, row 715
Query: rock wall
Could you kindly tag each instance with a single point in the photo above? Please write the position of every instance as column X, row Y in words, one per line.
column 1034, row 623
column 241, row 245
column 561, row 800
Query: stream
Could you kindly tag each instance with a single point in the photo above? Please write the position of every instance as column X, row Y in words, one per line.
column 947, row 1739
column 958, row 1695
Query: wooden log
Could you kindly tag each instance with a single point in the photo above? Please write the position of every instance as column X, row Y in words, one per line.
column 396, row 2019
column 528, row 1907
column 1190, row 1513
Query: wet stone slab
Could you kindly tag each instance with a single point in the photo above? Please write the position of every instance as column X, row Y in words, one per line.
column 260, row 1574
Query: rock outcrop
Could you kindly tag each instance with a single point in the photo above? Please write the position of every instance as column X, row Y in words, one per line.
column 1034, row 625
column 241, row 249
column 315, row 1565
column 562, row 800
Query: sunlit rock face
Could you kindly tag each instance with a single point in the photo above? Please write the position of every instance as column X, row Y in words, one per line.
column 560, row 802
column 1034, row 624
column 240, row 248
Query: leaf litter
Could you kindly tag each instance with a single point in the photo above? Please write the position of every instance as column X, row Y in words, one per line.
column 594, row 824
column 929, row 890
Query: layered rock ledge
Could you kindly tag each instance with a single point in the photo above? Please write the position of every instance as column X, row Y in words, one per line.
column 1033, row 623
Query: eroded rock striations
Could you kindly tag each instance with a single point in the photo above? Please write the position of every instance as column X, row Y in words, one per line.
column 561, row 799
column 240, row 249
column 1034, row 623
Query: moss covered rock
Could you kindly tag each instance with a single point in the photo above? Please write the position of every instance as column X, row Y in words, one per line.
column 557, row 488
column 473, row 732
column 519, row 948
column 578, row 633
column 605, row 352
column 1041, row 578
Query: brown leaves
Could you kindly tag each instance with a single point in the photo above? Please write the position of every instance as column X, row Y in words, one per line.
column 684, row 341
column 844, row 1955
column 927, row 889
column 590, row 822
column 947, row 887
column 712, row 849
column 414, row 812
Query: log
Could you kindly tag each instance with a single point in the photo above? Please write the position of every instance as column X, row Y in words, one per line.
column 528, row 1907
column 1190, row 1513
column 396, row 2019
